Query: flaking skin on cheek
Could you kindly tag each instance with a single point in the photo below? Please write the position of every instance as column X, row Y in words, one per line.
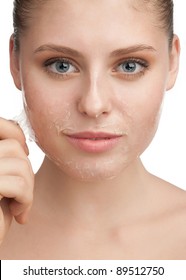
column 84, row 166
column 59, row 119
column 88, row 167
column 87, row 171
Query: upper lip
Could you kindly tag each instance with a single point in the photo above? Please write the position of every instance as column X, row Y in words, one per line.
column 89, row 135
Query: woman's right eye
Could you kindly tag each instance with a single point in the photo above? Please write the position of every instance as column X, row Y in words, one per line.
column 60, row 66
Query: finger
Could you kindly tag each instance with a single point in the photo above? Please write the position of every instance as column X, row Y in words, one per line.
column 6, row 212
column 20, row 167
column 16, row 180
column 19, row 197
column 10, row 130
column 20, row 211
column 16, row 187
column 11, row 148
column 5, row 218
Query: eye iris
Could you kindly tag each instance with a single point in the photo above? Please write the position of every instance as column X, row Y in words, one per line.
column 62, row 66
column 129, row 67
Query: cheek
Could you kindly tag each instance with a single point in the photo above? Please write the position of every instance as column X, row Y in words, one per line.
column 46, row 101
column 44, row 110
column 51, row 109
column 145, row 120
column 141, row 106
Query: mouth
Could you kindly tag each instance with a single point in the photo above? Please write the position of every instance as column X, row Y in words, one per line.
column 94, row 142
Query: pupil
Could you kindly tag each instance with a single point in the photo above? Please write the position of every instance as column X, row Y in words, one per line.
column 63, row 67
column 129, row 67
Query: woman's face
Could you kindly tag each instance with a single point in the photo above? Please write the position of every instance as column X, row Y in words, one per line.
column 93, row 74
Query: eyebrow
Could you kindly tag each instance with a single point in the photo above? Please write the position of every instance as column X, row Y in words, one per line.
column 72, row 52
column 60, row 49
column 132, row 49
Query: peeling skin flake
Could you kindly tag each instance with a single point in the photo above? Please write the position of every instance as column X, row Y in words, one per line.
column 24, row 123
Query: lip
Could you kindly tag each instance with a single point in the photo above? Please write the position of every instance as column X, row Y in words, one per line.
column 94, row 142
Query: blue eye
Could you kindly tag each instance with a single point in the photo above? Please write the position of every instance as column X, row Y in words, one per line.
column 60, row 66
column 132, row 67
column 129, row 67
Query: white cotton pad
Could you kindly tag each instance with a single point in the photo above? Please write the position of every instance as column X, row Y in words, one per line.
column 25, row 125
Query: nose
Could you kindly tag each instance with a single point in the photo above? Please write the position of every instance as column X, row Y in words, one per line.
column 95, row 100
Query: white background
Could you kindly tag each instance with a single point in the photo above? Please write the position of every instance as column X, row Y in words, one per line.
column 166, row 156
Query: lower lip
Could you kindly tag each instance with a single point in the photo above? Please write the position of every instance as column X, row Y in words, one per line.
column 94, row 146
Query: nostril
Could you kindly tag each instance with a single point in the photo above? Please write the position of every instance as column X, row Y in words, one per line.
column 94, row 107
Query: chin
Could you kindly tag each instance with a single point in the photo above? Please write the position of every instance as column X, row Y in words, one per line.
column 92, row 171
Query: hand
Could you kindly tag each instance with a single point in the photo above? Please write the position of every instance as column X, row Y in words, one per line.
column 16, row 176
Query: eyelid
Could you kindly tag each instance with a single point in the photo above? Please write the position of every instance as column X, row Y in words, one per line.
column 50, row 61
column 142, row 62
column 130, row 76
column 66, row 75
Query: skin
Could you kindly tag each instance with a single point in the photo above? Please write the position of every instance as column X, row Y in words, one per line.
column 16, row 177
column 97, row 205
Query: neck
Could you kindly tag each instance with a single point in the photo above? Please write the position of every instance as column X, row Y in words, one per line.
column 101, row 201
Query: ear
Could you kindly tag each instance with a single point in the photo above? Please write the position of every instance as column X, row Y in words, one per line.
column 14, row 63
column 174, row 62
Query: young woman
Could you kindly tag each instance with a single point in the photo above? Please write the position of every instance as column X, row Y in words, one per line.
column 93, row 76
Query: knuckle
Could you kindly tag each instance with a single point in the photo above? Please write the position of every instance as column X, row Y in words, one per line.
column 14, row 145
column 20, row 183
column 25, row 170
column 23, row 163
column 23, row 166
column 25, row 193
column 10, row 148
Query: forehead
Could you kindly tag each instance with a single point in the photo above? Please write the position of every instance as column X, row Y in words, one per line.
column 82, row 7
column 86, row 21
column 73, row 10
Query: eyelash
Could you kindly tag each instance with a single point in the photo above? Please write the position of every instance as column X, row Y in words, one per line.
column 48, row 64
column 131, row 75
column 121, row 74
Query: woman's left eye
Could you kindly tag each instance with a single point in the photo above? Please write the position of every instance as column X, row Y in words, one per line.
column 60, row 66
column 131, row 67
